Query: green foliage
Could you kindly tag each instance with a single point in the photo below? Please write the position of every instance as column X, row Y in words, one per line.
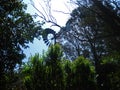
column 84, row 74
column 84, row 34
column 93, row 33
column 17, row 29
column 54, row 53
column 53, row 73
column 46, row 72
column 109, row 72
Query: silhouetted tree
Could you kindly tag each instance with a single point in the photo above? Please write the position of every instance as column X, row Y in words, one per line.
column 17, row 29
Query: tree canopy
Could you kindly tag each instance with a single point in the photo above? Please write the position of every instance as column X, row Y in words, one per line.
column 87, row 58
column 51, row 71
column 17, row 29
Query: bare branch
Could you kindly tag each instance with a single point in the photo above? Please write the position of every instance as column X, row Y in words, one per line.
column 60, row 11
column 42, row 15
column 45, row 11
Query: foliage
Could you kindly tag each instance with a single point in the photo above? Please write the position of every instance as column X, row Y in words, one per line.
column 82, row 75
column 54, row 73
column 34, row 72
column 109, row 12
column 91, row 43
column 84, row 35
column 109, row 72
column 93, row 33
column 46, row 72
column 17, row 29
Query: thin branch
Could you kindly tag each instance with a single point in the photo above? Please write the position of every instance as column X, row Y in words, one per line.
column 60, row 11
column 46, row 15
column 42, row 15
column 44, row 11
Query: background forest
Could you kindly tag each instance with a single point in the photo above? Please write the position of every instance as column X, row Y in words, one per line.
column 85, row 54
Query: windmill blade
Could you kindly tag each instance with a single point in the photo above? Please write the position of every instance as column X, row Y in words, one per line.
column 45, row 34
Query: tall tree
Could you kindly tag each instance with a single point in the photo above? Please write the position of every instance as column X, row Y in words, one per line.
column 109, row 72
column 109, row 12
column 56, row 74
column 52, row 72
column 83, row 35
column 84, row 74
column 45, row 72
column 17, row 28
column 90, row 28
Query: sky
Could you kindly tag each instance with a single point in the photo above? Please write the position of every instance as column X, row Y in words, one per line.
column 38, row 46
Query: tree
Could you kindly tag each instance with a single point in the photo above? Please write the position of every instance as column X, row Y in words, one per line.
column 88, row 33
column 84, row 74
column 56, row 73
column 109, row 12
column 34, row 73
column 17, row 30
column 68, row 68
column 83, row 35
column 51, row 71
column 109, row 72
column 44, row 72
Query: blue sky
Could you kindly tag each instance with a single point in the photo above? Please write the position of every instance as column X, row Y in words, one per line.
column 37, row 46
column 61, row 5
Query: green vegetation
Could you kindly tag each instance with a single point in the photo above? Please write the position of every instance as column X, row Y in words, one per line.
column 88, row 59
column 52, row 72
column 17, row 29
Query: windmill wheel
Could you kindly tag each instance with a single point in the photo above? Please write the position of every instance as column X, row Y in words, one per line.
column 49, row 36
